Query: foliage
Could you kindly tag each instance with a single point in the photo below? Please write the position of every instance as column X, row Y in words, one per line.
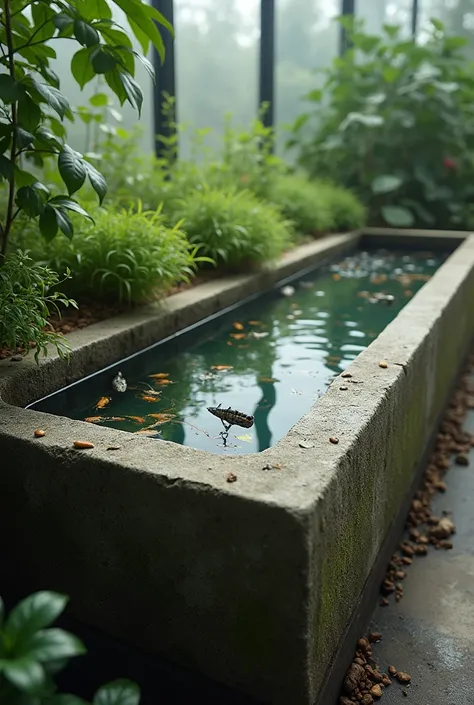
column 31, row 653
column 316, row 207
column 26, row 300
column 32, row 106
column 395, row 123
column 128, row 255
column 234, row 227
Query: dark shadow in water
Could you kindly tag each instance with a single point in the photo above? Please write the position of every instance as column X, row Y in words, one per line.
column 261, row 413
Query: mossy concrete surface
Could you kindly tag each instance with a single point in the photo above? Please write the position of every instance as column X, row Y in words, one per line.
column 251, row 582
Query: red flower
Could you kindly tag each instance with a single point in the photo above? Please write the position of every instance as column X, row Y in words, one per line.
column 449, row 164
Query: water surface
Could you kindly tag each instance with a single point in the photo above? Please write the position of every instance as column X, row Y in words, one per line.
column 271, row 359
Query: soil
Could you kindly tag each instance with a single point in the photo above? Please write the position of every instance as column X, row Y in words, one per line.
column 91, row 311
column 424, row 531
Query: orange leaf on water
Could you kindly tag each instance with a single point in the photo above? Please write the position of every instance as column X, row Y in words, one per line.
column 221, row 367
column 336, row 277
column 103, row 401
column 138, row 419
column 162, row 382
column 255, row 323
column 148, row 398
column 267, row 379
column 237, row 336
column 94, row 419
column 162, row 418
column 238, row 326
column 116, row 418
column 160, row 375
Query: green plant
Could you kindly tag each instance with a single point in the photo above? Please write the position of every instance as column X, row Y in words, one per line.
column 31, row 653
column 395, row 123
column 234, row 227
column 315, row 207
column 26, row 299
column 128, row 255
column 32, row 107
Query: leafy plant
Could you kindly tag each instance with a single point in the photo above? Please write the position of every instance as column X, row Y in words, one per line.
column 26, row 300
column 316, row 207
column 128, row 255
column 32, row 106
column 31, row 653
column 395, row 123
column 234, row 228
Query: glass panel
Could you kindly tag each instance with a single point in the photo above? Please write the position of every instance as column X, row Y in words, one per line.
column 457, row 15
column 307, row 38
column 373, row 14
column 217, row 49
column 79, row 136
column 399, row 12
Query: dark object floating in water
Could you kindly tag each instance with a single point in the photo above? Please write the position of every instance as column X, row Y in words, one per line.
column 231, row 416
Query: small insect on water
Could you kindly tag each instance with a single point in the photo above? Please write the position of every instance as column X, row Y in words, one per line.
column 231, row 417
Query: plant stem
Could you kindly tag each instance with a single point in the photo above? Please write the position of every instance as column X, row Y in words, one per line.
column 11, row 193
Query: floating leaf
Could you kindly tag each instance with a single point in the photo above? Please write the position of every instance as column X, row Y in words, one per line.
column 115, row 418
column 238, row 326
column 160, row 375
column 138, row 419
column 149, row 398
column 246, row 437
column 94, row 419
column 336, row 277
column 237, row 336
column 257, row 336
column 269, row 380
column 163, row 382
column 255, row 323
column 219, row 368
column 103, row 402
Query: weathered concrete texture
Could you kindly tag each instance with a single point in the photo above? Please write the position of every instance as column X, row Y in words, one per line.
column 104, row 343
column 251, row 583
column 430, row 633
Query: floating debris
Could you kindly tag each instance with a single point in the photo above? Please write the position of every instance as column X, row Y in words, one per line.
column 220, row 368
column 103, row 402
column 119, row 383
column 231, row 477
column 160, row 375
column 238, row 326
column 287, row 291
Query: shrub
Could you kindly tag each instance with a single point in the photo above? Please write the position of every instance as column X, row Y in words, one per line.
column 128, row 255
column 316, row 207
column 234, row 227
column 395, row 123
column 26, row 301
column 31, row 653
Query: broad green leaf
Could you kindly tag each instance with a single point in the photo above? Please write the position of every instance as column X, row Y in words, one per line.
column 386, row 183
column 47, row 138
column 140, row 36
column 50, row 75
column 114, row 82
column 137, row 13
column 64, row 223
column 99, row 100
column 422, row 213
column 48, row 223
column 62, row 21
column 115, row 37
column 91, row 9
column 53, row 644
column 35, row 612
column 362, row 119
column 102, row 61
column 10, row 90
column 23, row 178
column 29, row 113
column 81, row 67
column 132, row 90
column 85, row 34
column 6, row 167
column 23, row 138
column 71, row 168
column 125, row 58
column 397, row 216
column 52, row 96
column 25, row 674
column 57, row 127
column 150, row 69
column 43, row 16
column 70, row 204
column 155, row 14
column 97, row 181
column 30, row 200
column 119, row 692
column 437, row 24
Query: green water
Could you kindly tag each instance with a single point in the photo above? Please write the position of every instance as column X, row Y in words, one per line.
column 277, row 357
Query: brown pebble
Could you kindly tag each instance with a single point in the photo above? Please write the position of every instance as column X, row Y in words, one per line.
column 384, row 602
column 403, row 677
column 406, row 560
column 231, row 477
column 400, row 575
column 345, row 701
column 383, row 364
column 359, row 661
column 392, row 670
column 39, row 433
column 374, row 636
column 343, row 389
column 440, row 486
column 367, row 700
column 16, row 358
column 445, row 544
column 376, row 691
column 461, row 459
column 346, row 375
column 334, row 440
column 443, row 529
column 386, row 680
column 363, row 644
column 83, row 444
column 405, row 692
column 113, row 448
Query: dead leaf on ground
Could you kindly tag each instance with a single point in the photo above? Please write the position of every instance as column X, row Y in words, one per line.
column 238, row 326
column 103, row 402
column 219, row 368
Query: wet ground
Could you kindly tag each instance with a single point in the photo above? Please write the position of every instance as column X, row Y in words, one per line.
column 430, row 632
